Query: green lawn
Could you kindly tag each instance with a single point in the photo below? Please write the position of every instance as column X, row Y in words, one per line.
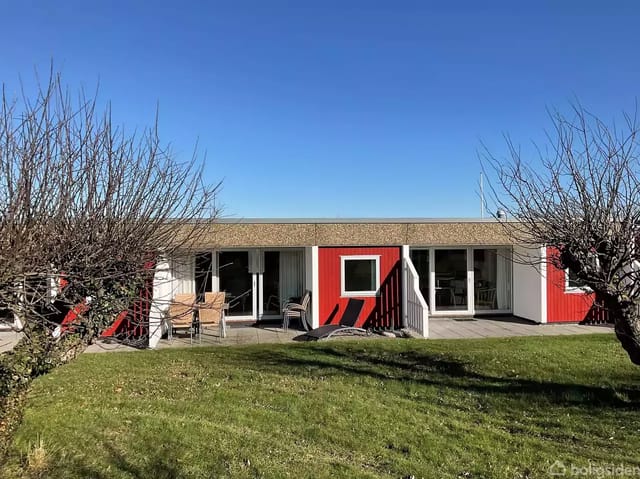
column 505, row 408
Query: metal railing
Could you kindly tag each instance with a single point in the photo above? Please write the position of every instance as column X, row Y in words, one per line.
column 416, row 311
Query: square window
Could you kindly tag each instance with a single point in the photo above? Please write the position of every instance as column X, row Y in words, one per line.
column 573, row 284
column 360, row 275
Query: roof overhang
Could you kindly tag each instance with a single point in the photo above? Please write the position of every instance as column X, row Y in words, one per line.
column 299, row 232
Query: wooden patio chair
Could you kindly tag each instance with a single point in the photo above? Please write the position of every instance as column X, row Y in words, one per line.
column 181, row 314
column 212, row 311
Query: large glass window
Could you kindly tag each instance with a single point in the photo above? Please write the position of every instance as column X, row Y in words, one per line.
column 360, row 275
column 420, row 260
column 271, row 283
column 450, row 266
column 236, row 281
column 203, row 275
column 492, row 277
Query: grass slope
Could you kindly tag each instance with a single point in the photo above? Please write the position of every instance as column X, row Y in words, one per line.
column 505, row 408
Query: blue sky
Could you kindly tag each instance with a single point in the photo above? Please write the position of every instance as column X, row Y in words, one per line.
column 336, row 108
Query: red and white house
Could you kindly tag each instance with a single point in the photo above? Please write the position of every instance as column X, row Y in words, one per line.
column 406, row 270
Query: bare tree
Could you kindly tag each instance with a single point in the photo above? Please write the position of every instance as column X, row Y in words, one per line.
column 85, row 210
column 581, row 195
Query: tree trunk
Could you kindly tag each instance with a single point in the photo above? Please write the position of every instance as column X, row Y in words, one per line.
column 626, row 318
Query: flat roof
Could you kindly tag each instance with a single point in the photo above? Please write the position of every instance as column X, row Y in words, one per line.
column 289, row 232
column 231, row 220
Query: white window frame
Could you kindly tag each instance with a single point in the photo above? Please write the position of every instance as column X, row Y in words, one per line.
column 351, row 294
column 574, row 289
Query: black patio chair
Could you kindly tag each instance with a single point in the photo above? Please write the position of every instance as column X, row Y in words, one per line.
column 347, row 324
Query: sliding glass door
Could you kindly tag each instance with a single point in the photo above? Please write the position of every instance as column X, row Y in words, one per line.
column 420, row 260
column 270, row 296
column 281, row 281
column 492, row 279
column 451, row 280
column 461, row 281
column 236, row 279
column 258, row 282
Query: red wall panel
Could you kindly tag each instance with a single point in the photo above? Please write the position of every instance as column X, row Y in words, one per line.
column 563, row 306
column 380, row 312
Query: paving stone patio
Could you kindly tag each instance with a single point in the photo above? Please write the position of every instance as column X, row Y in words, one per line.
column 272, row 333
column 504, row 327
column 7, row 339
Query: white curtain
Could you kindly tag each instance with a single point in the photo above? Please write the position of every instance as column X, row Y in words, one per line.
column 183, row 274
column 256, row 261
column 291, row 274
column 503, row 278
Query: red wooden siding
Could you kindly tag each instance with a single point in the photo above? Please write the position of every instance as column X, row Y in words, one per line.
column 379, row 312
column 563, row 306
column 133, row 324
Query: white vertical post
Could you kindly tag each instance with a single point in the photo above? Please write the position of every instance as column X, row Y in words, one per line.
column 162, row 293
column 471, row 282
column 432, row 278
column 405, row 306
column 425, row 323
column 256, row 268
column 543, row 284
column 260, row 299
column 315, row 288
column 215, row 279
